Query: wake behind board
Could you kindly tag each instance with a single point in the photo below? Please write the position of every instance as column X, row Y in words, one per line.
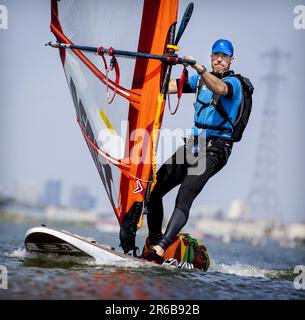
column 45, row 241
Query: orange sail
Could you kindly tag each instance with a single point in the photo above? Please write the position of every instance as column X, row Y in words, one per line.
column 122, row 137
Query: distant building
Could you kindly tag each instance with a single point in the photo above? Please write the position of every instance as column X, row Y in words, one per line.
column 81, row 198
column 71, row 214
column 209, row 212
column 52, row 193
column 238, row 210
column 27, row 193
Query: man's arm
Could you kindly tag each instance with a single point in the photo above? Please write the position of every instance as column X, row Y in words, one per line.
column 213, row 83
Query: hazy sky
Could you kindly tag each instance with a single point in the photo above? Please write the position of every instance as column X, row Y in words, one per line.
column 40, row 138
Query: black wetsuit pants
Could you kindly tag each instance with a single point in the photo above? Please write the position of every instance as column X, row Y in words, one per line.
column 192, row 175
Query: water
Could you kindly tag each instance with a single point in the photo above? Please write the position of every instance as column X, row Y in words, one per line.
column 238, row 271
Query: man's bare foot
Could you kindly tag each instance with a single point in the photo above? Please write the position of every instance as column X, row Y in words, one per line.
column 159, row 250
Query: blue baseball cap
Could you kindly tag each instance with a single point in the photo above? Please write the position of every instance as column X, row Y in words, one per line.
column 224, row 46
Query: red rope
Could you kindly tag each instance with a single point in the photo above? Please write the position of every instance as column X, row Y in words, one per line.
column 108, row 68
column 182, row 80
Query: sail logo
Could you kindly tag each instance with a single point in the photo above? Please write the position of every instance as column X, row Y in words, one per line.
column 3, row 277
column 139, row 187
column 299, row 20
column 3, row 17
column 299, row 281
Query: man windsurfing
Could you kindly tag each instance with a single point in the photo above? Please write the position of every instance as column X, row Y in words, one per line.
column 222, row 108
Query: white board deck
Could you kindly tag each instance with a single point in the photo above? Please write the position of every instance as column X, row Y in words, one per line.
column 43, row 240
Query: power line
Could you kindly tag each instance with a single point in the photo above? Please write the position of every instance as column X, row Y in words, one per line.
column 263, row 196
